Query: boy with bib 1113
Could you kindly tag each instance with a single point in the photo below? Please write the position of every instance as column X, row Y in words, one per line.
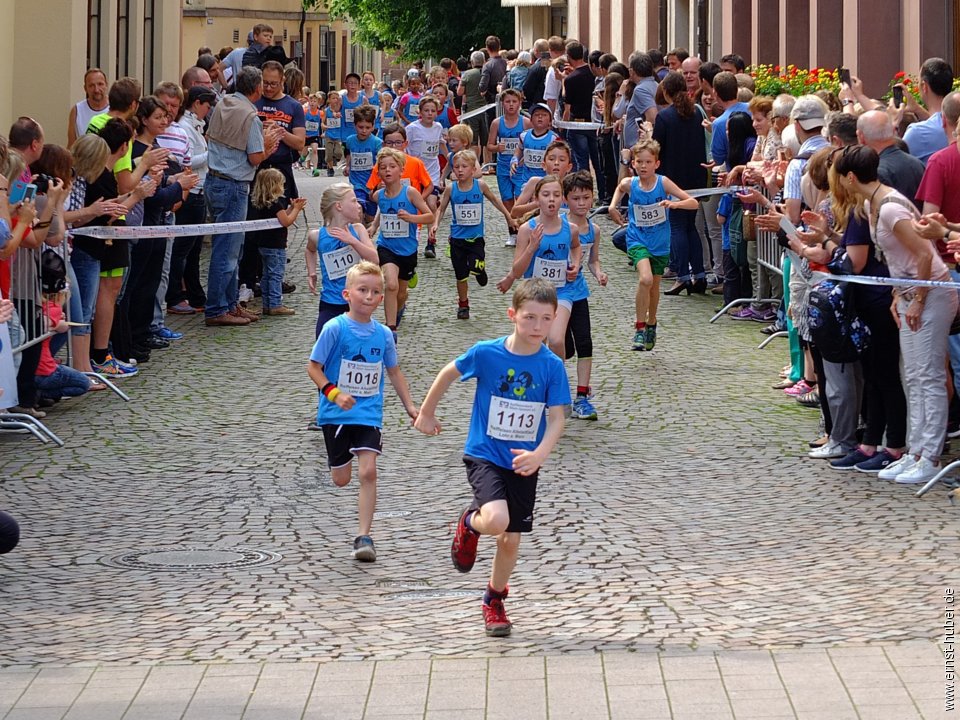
column 651, row 197
column 347, row 364
column 516, row 421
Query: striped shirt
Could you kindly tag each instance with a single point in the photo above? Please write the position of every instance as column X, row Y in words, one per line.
column 176, row 140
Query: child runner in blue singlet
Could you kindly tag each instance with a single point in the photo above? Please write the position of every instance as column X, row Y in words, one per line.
column 340, row 244
column 504, row 140
column 533, row 145
column 578, row 192
column 648, row 232
column 548, row 247
column 401, row 209
column 467, row 247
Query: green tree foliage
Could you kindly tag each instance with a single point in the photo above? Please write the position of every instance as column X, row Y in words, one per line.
column 426, row 28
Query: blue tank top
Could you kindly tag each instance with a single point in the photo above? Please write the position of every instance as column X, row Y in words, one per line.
column 396, row 235
column 467, row 208
column 534, row 150
column 580, row 290
column 390, row 116
column 348, row 108
column 375, row 102
column 334, row 125
column 648, row 226
column 553, row 258
column 336, row 258
column 411, row 110
column 509, row 136
column 443, row 117
column 312, row 123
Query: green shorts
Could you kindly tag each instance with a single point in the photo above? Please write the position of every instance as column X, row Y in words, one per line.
column 658, row 263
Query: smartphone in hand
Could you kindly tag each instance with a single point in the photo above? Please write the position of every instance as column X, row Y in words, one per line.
column 845, row 76
column 897, row 96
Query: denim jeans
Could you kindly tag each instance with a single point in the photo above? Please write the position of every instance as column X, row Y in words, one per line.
column 226, row 202
column 954, row 344
column 271, row 284
column 584, row 147
column 87, row 270
column 685, row 242
column 63, row 382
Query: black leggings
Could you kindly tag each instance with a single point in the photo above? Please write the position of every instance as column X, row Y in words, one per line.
column 886, row 405
column 9, row 533
column 579, row 340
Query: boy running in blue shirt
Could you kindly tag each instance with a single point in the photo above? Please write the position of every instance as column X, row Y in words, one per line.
column 648, row 232
column 510, row 436
column 504, row 140
column 467, row 250
column 578, row 194
column 360, row 152
column 354, row 350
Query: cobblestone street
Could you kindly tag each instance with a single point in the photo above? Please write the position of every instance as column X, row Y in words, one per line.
column 687, row 520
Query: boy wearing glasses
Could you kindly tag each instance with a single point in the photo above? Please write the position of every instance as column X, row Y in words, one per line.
column 414, row 171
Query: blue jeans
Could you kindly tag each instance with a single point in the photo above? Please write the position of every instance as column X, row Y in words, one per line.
column 274, row 262
column 87, row 271
column 685, row 243
column 63, row 382
column 585, row 149
column 226, row 202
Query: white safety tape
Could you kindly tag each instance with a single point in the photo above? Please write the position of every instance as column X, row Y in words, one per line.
column 578, row 125
column 819, row 275
column 478, row 111
column 140, row 231
column 707, row 192
column 892, row 282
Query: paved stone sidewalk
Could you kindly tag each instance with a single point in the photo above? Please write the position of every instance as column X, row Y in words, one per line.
column 688, row 519
column 870, row 683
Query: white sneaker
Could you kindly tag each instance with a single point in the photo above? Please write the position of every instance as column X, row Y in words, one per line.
column 245, row 294
column 510, row 241
column 827, row 452
column 891, row 471
column 923, row 470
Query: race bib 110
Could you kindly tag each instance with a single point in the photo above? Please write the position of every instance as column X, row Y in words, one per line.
column 338, row 262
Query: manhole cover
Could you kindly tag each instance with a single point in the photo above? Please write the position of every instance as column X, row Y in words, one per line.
column 193, row 559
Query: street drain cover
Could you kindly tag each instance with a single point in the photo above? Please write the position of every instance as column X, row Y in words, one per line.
column 188, row 559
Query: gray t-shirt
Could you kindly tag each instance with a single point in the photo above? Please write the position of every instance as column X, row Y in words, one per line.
column 642, row 100
column 472, row 98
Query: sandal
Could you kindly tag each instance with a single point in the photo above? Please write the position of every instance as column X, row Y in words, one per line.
column 95, row 385
column 784, row 384
column 810, row 399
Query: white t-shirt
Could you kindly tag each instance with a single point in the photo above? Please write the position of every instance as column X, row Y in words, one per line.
column 551, row 89
column 424, row 143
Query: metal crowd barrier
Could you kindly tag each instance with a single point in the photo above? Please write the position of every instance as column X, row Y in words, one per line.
column 30, row 327
column 770, row 255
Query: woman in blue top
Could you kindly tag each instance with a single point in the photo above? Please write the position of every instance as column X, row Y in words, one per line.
column 340, row 244
column 548, row 247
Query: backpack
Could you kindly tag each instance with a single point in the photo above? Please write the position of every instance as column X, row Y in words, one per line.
column 835, row 328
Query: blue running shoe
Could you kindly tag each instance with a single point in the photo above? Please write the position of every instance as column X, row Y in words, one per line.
column 168, row 334
column 583, row 409
column 640, row 340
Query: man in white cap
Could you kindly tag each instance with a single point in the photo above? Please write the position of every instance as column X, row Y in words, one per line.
column 808, row 117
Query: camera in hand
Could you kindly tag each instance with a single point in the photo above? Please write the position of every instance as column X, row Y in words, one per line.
column 42, row 182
